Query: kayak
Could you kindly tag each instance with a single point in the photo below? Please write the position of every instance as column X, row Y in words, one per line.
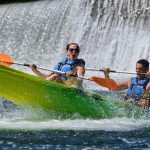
column 31, row 91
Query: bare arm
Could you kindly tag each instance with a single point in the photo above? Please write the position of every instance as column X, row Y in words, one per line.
column 38, row 73
column 80, row 70
column 120, row 85
column 148, row 88
column 148, row 85
column 123, row 85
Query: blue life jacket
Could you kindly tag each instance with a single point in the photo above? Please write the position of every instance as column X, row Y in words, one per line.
column 66, row 65
column 136, row 89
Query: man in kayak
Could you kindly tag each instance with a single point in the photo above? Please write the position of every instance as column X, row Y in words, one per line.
column 71, row 65
column 138, row 87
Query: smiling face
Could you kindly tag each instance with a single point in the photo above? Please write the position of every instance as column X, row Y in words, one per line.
column 72, row 52
column 140, row 69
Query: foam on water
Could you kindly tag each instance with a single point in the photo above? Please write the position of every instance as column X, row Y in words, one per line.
column 115, row 124
column 17, row 118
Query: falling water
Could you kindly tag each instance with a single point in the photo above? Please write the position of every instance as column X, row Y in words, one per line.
column 111, row 33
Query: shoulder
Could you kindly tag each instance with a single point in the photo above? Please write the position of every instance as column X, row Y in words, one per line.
column 133, row 80
column 63, row 60
column 148, row 87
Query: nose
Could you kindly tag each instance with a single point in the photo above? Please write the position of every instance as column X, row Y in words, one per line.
column 73, row 52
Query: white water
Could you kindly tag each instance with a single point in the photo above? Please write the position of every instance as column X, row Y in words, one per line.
column 115, row 124
column 110, row 33
column 37, row 120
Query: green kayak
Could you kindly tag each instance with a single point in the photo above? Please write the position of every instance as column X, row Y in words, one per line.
column 31, row 91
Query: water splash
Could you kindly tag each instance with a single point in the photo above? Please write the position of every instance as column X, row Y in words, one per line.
column 115, row 124
column 107, row 31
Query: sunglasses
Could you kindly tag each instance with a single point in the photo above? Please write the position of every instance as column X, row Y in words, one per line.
column 73, row 50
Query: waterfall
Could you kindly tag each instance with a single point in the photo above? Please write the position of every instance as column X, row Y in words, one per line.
column 111, row 33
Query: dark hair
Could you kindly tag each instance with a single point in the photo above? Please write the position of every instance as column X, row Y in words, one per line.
column 144, row 62
column 73, row 44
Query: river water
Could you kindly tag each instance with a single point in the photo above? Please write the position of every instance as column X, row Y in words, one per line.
column 111, row 33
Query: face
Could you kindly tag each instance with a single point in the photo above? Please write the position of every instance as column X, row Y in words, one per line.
column 72, row 52
column 140, row 69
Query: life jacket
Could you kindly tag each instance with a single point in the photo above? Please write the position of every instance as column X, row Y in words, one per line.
column 136, row 89
column 66, row 65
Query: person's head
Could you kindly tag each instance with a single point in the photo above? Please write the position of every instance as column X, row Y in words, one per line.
column 72, row 51
column 142, row 66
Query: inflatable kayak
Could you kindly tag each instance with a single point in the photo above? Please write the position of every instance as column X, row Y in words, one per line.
column 31, row 91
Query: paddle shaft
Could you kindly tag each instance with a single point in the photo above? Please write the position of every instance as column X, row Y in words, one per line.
column 90, row 69
column 55, row 71
column 27, row 65
column 112, row 71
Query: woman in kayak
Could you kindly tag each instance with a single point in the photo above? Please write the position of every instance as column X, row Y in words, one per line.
column 71, row 65
column 138, row 87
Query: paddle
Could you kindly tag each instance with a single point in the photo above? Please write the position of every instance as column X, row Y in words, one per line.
column 112, row 71
column 105, row 82
column 6, row 60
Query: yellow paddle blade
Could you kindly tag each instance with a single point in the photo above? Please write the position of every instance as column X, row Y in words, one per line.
column 105, row 82
column 5, row 60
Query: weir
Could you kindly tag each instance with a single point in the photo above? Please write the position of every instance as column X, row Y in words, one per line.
column 111, row 33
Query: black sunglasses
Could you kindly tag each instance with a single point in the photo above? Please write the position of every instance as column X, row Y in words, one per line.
column 72, row 50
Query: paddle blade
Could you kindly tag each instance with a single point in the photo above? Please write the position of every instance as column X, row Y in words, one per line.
column 5, row 60
column 105, row 82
